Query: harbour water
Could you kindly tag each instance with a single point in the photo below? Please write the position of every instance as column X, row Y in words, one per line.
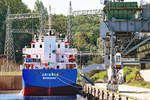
column 20, row 97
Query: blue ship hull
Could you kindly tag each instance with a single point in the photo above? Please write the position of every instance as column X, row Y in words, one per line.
column 49, row 82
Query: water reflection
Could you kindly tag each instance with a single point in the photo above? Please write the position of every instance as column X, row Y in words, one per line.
column 20, row 97
column 50, row 98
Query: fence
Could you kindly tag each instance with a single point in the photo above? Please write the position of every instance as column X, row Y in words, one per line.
column 94, row 93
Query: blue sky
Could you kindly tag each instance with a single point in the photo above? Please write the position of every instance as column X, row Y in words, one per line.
column 61, row 6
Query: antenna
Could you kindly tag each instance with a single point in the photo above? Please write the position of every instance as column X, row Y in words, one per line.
column 42, row 20
column 49, row 19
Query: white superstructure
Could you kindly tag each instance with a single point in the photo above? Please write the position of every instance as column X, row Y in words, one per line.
column 48, row 52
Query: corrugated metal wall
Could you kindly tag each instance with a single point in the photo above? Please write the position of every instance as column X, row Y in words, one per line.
column 10, row 82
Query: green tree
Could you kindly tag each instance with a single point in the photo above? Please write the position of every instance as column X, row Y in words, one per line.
column 39, row 6
column 80, row 40
column 59, row 24
column 90, row 27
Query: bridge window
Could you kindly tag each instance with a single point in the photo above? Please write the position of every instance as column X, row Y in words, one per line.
column 33, row 46
column 34, row 60
column 108, row 57
column 66, row 46
column 49, row 55
column 58, row 45
column 118, row 59
column 57, row 67
column 40, row 45
column 37, row 40
column 42, row 39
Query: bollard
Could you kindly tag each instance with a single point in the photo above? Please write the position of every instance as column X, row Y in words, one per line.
column 113, row 96
column 88, row 90
column 98, row 93
column 91, row 90
column 107, row 95
column 95, row 96
column 84, row 91
column 94, row 92
column 119, row 97
column 102, row 95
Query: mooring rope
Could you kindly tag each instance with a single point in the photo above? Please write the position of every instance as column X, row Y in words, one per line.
column 67, row 79
column 67, row 83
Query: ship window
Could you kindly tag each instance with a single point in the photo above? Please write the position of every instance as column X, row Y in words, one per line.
column 34, row 60
column 38, row 60
column 33, row 46
column 40, row 45
column 57, row 67
column 118, row 59
column 58, row 45
column 49, row 55
column 42, row 39
column 66, row 46
column 108, row 57
column 37, row 40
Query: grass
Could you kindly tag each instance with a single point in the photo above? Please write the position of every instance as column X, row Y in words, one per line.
column 11, row 73
column 131, row 77
column 142, row 84
column 130, row 73
column 79, row 78
column 133, row 80
column 99, row 76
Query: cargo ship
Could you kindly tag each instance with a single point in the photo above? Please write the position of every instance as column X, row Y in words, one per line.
column 49, row 67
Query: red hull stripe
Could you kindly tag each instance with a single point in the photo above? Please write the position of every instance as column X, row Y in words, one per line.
column 43, row 91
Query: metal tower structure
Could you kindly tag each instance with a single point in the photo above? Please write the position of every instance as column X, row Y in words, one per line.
column 70, row 31
column 9, row 50
column 9, row 45
column 87, row 12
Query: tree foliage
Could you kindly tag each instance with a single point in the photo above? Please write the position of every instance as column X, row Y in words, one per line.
column 86, row 30
column 59, row 24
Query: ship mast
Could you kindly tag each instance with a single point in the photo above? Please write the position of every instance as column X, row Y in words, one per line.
column 49, row 19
